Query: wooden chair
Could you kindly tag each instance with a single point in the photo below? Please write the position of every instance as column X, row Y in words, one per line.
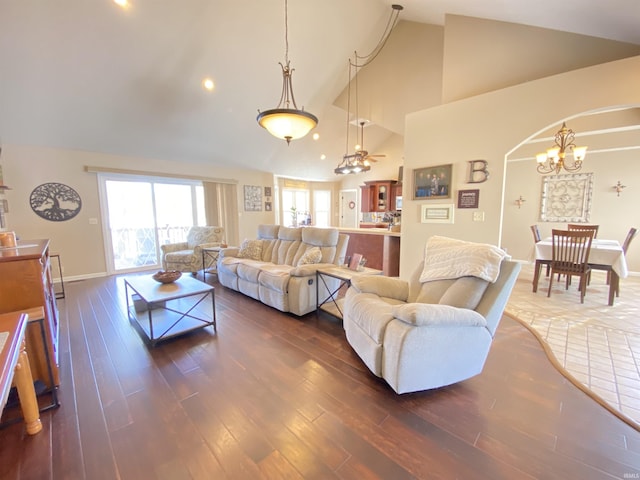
column 536, row 238
column 536, row 233
column 625, row 246
column 627, row 241
column 570, row 256
column 583, row 227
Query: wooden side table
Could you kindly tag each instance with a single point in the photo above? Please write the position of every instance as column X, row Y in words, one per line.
column 14, row 366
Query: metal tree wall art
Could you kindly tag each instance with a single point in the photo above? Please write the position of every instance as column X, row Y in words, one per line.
column 55, row 201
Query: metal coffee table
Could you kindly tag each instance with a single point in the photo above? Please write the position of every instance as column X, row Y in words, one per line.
column 333, row 302
column 162, row 311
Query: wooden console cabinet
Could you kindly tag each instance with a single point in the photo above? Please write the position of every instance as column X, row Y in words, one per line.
column 25, row 283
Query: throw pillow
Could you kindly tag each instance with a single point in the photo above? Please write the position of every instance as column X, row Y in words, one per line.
column 312, row 255
column 251, row 249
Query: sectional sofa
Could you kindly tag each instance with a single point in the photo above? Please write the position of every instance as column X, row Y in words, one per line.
column 279, row 267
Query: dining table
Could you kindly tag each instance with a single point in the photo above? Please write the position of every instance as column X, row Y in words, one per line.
column 604, row 255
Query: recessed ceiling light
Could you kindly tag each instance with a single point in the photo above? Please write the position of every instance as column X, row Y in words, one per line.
column 121, row 3
column 323, row 156
column 208, row 84
column 316, row 136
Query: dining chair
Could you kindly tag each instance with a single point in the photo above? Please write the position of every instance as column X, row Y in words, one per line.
column 536, row 238
column 625, row 246
column 570, row 256
column 583, row 227
column 536, row 233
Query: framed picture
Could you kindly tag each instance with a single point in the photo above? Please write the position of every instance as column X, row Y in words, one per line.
column 354, row 263
column 252, row 198
column 436, row 213
column 468, row 198
column 267, row 191
column 267, row 206
column 432, row 183
column 566, row 198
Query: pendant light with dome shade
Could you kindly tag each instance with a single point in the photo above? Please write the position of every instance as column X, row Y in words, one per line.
column 360, row 160
column 284, row 121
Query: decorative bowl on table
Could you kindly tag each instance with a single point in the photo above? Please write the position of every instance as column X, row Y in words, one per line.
column 168, row 276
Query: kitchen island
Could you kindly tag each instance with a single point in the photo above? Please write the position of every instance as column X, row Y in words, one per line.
column 380, row 246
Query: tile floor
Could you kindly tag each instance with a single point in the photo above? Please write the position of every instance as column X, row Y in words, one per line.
column 597, row 344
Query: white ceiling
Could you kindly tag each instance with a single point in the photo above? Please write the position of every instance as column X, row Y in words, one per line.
column 87, row 75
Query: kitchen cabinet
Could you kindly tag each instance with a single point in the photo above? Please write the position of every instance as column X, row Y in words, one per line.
column 378, row 196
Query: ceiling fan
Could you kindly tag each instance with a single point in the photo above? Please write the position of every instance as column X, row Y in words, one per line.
column 360, row 161
column 361, row 152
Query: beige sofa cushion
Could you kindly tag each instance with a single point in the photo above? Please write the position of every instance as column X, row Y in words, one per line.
column 275, row 277
column 370, row 313
column 251, row 249
column 311, row 255
column 437, row 315
column 464, row 292
column 324, row 238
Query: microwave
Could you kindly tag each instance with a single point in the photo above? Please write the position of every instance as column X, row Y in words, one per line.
column 399, row 203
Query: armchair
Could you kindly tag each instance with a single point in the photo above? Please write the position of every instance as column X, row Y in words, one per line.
column 423, row 335
column 187, row 256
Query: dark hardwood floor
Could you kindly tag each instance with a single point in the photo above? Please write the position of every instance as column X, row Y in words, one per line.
column 276, row 396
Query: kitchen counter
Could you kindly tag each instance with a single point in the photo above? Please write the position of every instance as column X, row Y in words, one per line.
column 379, row 246
column 370, row 231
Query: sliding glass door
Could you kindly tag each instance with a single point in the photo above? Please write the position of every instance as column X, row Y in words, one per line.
column 140, row 214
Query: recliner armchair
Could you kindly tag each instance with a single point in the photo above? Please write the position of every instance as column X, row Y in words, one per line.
column 187, row 256
column 423, row 335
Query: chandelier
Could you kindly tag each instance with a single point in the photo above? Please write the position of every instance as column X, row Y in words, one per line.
column 283, row 121
column 555, row 158
column 358, row 162
column 354, row 163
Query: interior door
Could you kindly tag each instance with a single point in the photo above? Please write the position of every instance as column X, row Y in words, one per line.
column 348, row 209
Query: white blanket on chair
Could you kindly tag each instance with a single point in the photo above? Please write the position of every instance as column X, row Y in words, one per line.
column 446, row 258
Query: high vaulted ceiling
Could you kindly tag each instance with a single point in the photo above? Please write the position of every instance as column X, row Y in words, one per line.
column 89, row 75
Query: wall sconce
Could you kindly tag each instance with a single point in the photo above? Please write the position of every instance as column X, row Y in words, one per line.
column 520, row 201
column 618, row 187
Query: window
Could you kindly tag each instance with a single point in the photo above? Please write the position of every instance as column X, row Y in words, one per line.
column 142, row 213
column 295, row 207
column 322, row 208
